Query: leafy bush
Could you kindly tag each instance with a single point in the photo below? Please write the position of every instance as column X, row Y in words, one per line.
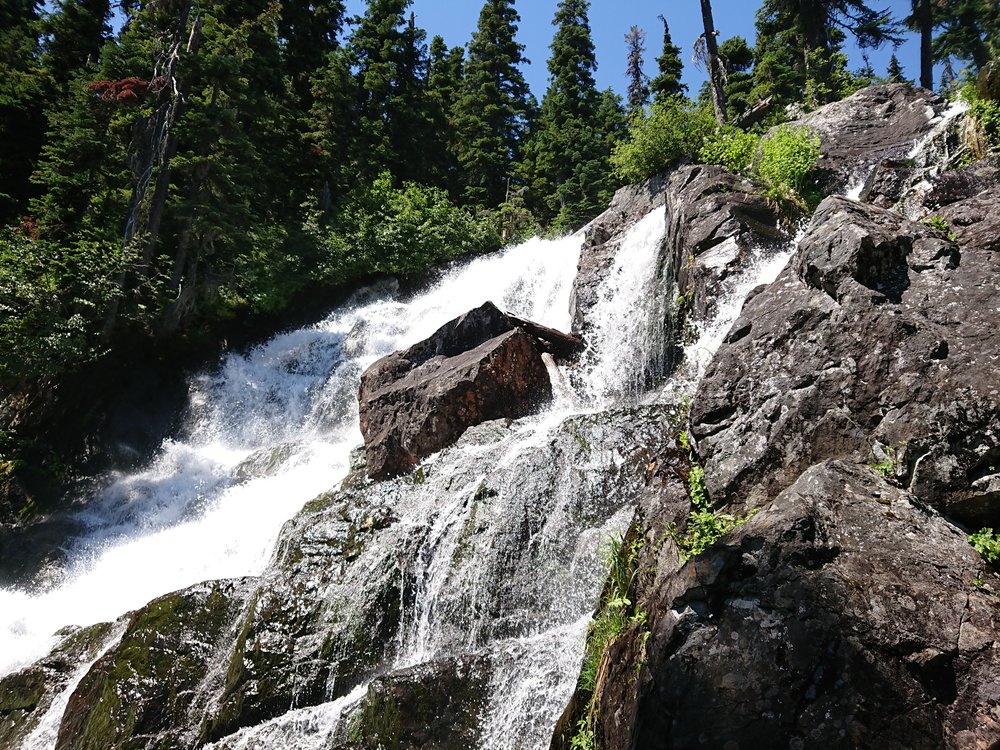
column 984, row 134
column 786, row 158
column 384, row 229
column 731, row 148
column 53, row 300
column 672, row 128
column 987, row 544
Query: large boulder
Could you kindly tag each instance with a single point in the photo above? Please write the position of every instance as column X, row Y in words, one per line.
column 841, row 616
column 877, row 123
column 483, row 365
column 876, row 343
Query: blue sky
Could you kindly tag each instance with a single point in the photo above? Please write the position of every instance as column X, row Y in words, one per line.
column 455, row 20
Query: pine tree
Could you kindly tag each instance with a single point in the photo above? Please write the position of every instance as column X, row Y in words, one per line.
column 799, row 47
column 737, row 60
column 968, row 30
column 375, row 49
column 948, row 78
column 569, row 154
column 894, row 74
column 76, row 32
column 668, row 80
column 309, row 31
column 638, row 90
column 24, row 88
column 444, row 87
column 491, row 114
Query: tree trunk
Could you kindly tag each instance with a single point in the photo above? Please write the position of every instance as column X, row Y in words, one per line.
column 925, row 20
column 715, row 72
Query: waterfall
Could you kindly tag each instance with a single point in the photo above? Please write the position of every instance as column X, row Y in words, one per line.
column 269, row 431
column 273, row 428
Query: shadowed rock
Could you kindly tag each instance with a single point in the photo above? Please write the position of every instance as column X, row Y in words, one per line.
column 824, row 621
column 483, row 365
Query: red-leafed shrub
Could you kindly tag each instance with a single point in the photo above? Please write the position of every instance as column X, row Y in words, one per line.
column 125, row 91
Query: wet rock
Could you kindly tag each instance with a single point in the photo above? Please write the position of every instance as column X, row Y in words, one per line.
column 138, row 694
column 341, row 596
column 843, row 615
column 715, row 220
column 25, row 696
column 879, row 333
column 966, row 182
column 877, row 123
column 433, row 706
column 604, row 237
column 481, row 366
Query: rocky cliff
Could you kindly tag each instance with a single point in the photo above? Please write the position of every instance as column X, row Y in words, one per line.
column 788, row 564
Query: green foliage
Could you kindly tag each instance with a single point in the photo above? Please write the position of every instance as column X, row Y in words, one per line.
column 667, row 84
column 984, row 136
column 566, row 159
column 786, row 158
column 731, row 148
column 987, row 544
column 671, row 129
column 492, row 111
column 53, row 300
column 584, row 737
column 383, row 229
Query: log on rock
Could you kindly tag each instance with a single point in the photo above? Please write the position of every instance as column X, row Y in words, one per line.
column 480, row 366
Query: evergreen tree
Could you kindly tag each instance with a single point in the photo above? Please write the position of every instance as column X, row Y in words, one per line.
column 799, row 47
column 492, row 113
column 737, row 61
column 75, row 33
column 376, row 58
column 638, row 90
column 309, row 31
column 668, row 80
column 948, row 78
column 968, row 30
column 894, row 74
column 569, row 154
column 444, row 87
column 24, row 86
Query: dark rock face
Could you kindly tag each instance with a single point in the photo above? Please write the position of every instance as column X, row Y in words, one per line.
column 966, row 182
column 842, row 615
column 432, row 706
column 483, row 365
column 879, row 334
column 714, row 220
column 874, row 124
column 26, row 695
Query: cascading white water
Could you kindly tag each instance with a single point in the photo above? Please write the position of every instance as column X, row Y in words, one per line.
column 270, row 431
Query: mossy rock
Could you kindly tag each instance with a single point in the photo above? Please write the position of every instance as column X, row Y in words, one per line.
column 435, row 706
column 142, row 688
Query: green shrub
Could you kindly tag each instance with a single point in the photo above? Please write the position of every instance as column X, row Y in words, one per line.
column 672, row 128
column 786, row 158
column 404, row 231
column 984, row 135
column 731, row 148
column 987, row 544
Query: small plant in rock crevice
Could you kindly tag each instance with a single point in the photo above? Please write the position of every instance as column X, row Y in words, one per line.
column 705, row 525
column 987, row 544
column 889, row 464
